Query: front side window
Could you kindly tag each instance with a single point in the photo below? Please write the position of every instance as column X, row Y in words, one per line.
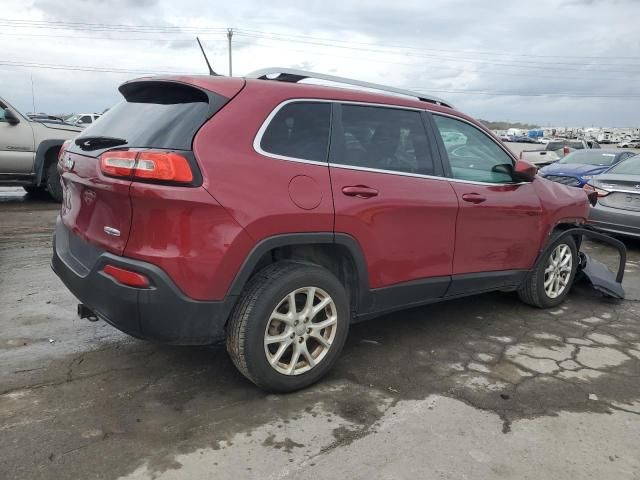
column 473, row 155
column 385, row 139
column 2, row 107
column 299, row 130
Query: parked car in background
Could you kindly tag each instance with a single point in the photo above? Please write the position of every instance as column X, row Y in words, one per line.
column 524, row 139
column 207, row 208
column 577, row 168
column 83, row 120
column 29, row 151
column 555, row 150
column 632, row 143
column 618, row 207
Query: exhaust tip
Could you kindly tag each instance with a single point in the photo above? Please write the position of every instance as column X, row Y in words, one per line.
column 86, row 312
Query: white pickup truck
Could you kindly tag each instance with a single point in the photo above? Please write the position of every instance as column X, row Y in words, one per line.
column 555, row 150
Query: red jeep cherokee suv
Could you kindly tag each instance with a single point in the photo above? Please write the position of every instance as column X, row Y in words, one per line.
column 273, row 214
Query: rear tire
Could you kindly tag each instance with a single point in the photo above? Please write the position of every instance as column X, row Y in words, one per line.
column 549, row 283
column 280, row 347
column 54, row 187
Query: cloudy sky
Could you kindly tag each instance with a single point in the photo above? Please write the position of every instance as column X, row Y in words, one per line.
column 551, row 62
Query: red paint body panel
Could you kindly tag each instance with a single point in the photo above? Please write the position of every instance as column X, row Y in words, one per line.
column 185, row 232
column 93, row 201
column 406, row 232
column 499, row 233
column 561, row 204
column 255, row 188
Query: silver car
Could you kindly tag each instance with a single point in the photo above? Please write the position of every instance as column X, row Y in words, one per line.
column 618, row 207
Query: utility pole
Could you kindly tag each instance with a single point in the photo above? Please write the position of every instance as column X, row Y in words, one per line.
column 229, row 36
column 33, row 96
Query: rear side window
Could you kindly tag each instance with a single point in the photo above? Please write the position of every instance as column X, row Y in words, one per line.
column 299, row 130
column 156, row 115
column 384, row 139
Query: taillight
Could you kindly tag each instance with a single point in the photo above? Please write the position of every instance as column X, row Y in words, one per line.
column 165, row 166
column 63, row 149
column 127, row 277
column 147, row 165
column 118, row 164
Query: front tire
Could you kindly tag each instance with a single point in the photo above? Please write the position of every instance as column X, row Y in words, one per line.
column 549, row 283
column 289, row 326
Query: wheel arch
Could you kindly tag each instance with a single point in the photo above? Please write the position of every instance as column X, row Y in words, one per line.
column 44, row 155
column 339, row 253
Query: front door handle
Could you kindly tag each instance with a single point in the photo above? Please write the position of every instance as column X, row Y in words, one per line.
column 473, row 198
column 360, row 191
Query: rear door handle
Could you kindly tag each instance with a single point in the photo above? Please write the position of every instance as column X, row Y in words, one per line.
column 360, row 191
column 473, row 198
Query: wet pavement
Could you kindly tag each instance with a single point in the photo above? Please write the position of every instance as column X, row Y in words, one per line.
column 482, row 387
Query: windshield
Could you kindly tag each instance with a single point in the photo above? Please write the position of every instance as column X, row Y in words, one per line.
column 589, row 157
column 631, row 166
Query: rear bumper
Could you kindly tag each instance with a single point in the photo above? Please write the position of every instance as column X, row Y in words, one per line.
column 615, row 220
column 160, row 313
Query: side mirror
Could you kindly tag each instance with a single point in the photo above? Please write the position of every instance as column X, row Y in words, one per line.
column 524, row 171
column 11, row 117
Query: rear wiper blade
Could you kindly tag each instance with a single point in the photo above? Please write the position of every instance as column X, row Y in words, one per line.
column 97, row 142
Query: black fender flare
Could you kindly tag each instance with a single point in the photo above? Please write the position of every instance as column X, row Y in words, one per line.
column 294, row 239
column 41, row 152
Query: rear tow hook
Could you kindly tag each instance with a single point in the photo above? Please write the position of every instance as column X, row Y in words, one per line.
column 86, row 312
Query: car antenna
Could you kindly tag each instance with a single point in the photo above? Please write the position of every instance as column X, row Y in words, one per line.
column 211, row 72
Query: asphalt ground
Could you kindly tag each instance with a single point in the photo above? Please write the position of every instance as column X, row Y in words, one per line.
column 482, row 387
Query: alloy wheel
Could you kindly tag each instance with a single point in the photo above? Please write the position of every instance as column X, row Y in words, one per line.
column 300, row 330
column 557, row 272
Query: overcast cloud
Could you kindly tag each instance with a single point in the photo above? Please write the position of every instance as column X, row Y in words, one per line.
column 574, row 47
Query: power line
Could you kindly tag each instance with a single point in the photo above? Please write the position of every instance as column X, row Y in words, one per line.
column 470, row 52
column 100, row 27
column 422, row 63
column 465, row 92
column 513, row 63
column 296, row 37
column 49, row 66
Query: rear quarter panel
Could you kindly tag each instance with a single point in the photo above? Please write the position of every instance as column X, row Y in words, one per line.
column 255, row 189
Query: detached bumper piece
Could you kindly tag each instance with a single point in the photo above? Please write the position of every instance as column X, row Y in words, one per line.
column 596, row 272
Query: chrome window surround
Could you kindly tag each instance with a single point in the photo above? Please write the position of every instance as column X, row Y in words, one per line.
column 258, row 139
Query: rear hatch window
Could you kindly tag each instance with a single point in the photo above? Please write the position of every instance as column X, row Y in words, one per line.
column 153, row 114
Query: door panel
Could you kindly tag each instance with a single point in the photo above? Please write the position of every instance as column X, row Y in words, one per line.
column 406, row 231
column 16, row 148
column 499, row 221
column 498, row 227
column 387, row 195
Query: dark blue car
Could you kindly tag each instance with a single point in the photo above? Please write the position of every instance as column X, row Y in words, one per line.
column 577, row 168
